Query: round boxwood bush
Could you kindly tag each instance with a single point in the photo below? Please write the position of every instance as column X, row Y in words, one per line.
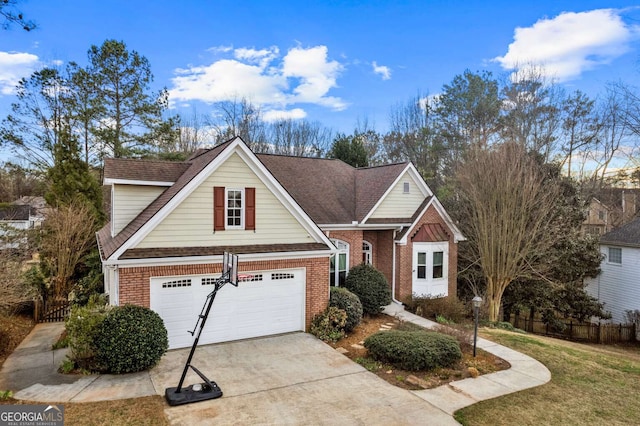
column 349, row 302
column 370, row 286
column 414, row 350
column 131, row 338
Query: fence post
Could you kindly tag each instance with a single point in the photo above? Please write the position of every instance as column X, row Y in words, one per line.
column 571, row 329
column 599, row 330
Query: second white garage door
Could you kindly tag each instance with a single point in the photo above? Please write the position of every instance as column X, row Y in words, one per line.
column 270, row 302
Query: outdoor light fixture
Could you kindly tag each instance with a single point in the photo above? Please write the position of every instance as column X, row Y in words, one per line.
column 477, row 301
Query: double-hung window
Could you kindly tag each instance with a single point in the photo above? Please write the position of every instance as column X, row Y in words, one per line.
column 235, row 208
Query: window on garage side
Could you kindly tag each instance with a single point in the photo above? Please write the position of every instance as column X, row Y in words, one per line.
column 234, row 208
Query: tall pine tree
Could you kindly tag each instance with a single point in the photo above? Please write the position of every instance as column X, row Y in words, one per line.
column 70, row 178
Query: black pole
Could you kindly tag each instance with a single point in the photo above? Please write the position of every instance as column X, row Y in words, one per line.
column 475, row 331
column 203, row 320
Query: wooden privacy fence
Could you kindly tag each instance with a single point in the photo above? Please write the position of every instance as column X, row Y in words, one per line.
column 581, row 332
column 51, row 310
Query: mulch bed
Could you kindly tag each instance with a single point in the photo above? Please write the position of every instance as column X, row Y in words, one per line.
column 483, row 363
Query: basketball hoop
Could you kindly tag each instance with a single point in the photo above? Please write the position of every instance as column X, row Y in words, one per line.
column 208, row 389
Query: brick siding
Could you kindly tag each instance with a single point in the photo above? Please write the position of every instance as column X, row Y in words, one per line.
column 135, row 281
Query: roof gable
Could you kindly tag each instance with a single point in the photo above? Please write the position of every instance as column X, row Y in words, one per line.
column 200, row 167
column 393, row 199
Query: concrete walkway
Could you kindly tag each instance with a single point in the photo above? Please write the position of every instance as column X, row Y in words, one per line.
column 31, row 372
column 525, row 373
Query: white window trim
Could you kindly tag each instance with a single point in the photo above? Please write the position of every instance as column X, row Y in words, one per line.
column 226, row 208
column 609, row 256
column 368, row 251
column 343, row 248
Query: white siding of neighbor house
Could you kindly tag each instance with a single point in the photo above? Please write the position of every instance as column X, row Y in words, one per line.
column 399, row 204
column 618, row 285
column 191, row 223
column 129, row 200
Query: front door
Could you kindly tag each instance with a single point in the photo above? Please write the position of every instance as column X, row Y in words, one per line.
column 430, row 269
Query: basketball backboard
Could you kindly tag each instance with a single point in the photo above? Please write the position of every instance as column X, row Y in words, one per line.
column 230, row 267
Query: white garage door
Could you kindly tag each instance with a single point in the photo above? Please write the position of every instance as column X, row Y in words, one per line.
column 270, row 302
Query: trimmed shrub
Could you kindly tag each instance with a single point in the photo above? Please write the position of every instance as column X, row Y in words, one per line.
column 432, row 307
column 343, row 299
column 329, row 325
column 370, row 286
column 131, row 338
column 82, row 329
column 414, row 350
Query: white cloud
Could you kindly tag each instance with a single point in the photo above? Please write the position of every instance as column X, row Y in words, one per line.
column 262, row 56
column 13, row 67
column 220, row 49
column 570, row 43
column 384, row 71
column 275, row 115
column 302, row 75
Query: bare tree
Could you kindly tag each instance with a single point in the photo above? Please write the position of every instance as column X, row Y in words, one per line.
column 299, row 138
column 239, row 117
column 68, row 236
column 194, row 133
column 13, row 289
column 413, row 137
column 614, row 133
column 505, row 208
column 531, row 107
column 580, row 127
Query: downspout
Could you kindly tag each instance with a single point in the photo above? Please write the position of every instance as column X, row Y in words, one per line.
column 393, row 268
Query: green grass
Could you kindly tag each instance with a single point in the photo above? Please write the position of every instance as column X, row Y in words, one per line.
column 590, row 385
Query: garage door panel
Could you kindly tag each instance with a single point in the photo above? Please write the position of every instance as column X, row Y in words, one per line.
column 271, row 303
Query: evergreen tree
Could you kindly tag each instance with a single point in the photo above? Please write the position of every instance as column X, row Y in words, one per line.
column 131, row 120
column 349, row 149
column 70, row 178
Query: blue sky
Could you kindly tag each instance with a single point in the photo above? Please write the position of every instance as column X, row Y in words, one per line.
column 335, row 62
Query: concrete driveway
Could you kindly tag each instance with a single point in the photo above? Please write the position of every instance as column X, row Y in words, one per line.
column 290, row 379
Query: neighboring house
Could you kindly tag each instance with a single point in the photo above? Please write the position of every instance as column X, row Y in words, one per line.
column 597, row 221
column 618, row 285
column 16, row 218
column 297, row 224
column 613, row 207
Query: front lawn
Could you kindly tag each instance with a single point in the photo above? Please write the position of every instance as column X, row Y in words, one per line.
column 590, row 385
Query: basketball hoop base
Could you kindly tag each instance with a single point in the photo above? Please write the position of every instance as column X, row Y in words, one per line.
column 202, row 392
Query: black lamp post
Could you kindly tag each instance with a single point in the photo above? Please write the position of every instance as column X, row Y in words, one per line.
column 477, row 301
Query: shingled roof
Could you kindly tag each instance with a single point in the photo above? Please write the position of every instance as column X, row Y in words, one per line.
column 144, row 170
column 109, row 245
column 328, row 190
column 331, row 191
column 627, row 235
